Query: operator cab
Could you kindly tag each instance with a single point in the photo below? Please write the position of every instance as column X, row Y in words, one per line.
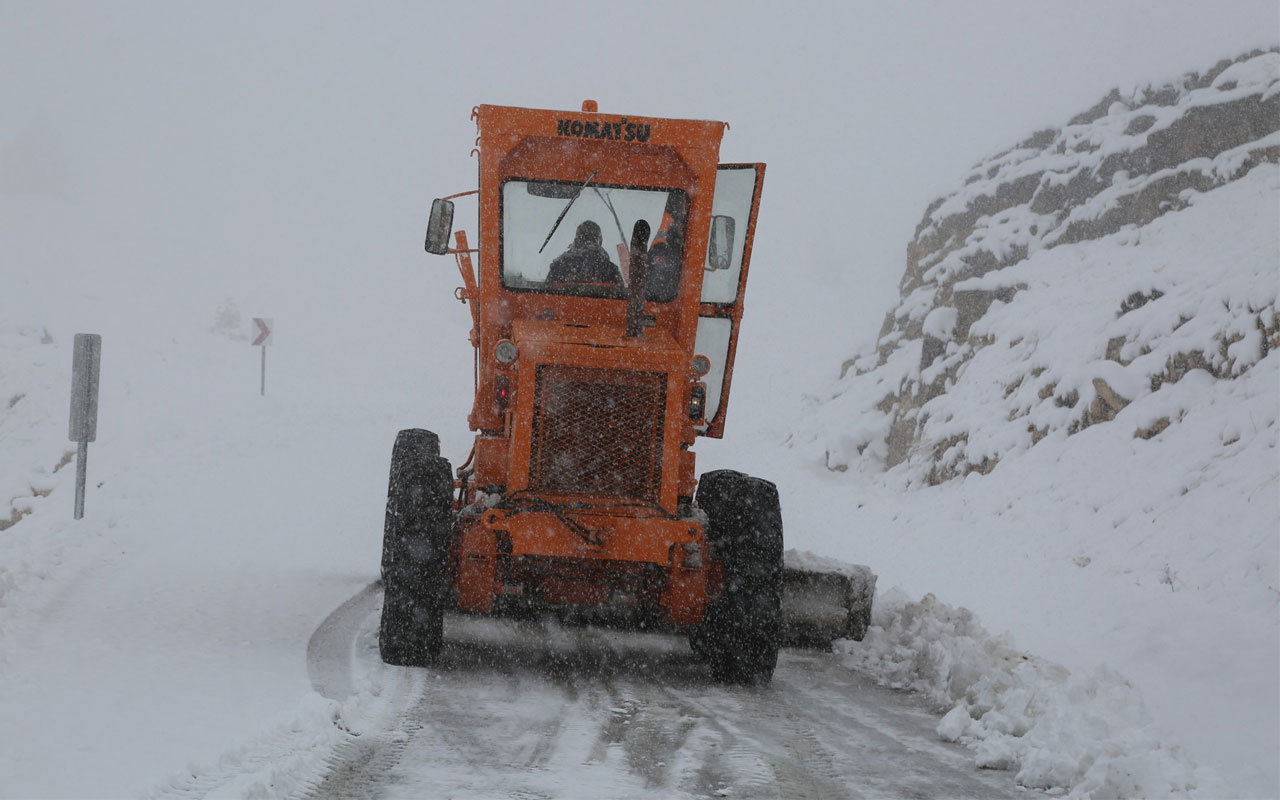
column 542, row 225
column 573, row 211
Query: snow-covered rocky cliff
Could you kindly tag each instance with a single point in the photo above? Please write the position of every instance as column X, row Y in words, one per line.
column 1048, row 293
column 1069, row 424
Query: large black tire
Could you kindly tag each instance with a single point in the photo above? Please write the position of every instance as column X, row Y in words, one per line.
column 741, row 632
column 415, row 548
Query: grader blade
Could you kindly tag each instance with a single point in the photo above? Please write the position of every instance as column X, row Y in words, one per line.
column 824, row 599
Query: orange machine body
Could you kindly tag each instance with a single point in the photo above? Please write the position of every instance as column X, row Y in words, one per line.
column 579, row 489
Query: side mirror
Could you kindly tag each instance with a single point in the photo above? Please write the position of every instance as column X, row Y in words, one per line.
column 720, row 248
column 439, row 227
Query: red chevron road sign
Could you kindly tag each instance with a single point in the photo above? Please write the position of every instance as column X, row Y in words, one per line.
column 264, row 332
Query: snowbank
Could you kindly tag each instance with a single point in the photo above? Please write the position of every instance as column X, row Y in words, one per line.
column 1086, row 736
column 291, row 759
column 170, row 623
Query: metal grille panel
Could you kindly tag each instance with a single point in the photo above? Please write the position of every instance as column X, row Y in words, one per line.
column 598, row 431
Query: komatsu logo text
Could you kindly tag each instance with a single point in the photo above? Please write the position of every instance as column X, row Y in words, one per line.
column 595, row 129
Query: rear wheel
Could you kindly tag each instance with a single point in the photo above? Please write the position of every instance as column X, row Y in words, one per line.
column 740, row 634
column 415, row 547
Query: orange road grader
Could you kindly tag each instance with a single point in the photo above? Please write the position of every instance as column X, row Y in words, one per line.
column 605, row 309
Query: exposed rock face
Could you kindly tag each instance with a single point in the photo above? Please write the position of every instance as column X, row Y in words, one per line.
column 1112, row 170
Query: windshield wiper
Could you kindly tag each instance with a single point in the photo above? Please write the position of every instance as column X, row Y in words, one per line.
column 567, row 206
column 604, row 198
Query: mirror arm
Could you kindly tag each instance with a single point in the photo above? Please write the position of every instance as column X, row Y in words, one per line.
column 470, row 293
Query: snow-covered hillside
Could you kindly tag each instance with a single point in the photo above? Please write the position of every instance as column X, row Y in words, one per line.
column 1085, row 359
column 1053, row 338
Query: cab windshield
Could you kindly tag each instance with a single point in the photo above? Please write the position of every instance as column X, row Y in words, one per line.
column 572, row 238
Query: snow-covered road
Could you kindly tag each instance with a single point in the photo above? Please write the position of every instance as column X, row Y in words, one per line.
column 536, row 709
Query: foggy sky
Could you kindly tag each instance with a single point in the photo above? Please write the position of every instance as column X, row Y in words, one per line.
column 285, row 154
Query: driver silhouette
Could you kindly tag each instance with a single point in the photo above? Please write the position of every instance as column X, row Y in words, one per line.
column 585, row 261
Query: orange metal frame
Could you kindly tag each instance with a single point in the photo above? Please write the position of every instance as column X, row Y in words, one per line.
column 619, row 150
column 733, row 311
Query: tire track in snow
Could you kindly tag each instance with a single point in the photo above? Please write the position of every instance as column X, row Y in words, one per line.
column 533, row 709
column 766, row 752
column 898, row 733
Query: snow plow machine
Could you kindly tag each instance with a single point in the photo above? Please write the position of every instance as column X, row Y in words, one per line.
column 605, row 308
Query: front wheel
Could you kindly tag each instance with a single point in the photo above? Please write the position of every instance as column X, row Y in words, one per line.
column 741, row 632
column 415, row 546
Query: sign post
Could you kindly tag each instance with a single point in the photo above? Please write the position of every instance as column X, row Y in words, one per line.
column 263, row 333
column 84, row 405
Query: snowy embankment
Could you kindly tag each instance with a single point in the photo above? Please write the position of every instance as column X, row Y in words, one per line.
column 30, row 469
column 1110, row 403
column 170, row 624
column 1088, row 734
column 292, row 758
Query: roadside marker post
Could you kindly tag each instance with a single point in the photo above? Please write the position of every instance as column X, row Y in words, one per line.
column 85, row 361
column 264, row 331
